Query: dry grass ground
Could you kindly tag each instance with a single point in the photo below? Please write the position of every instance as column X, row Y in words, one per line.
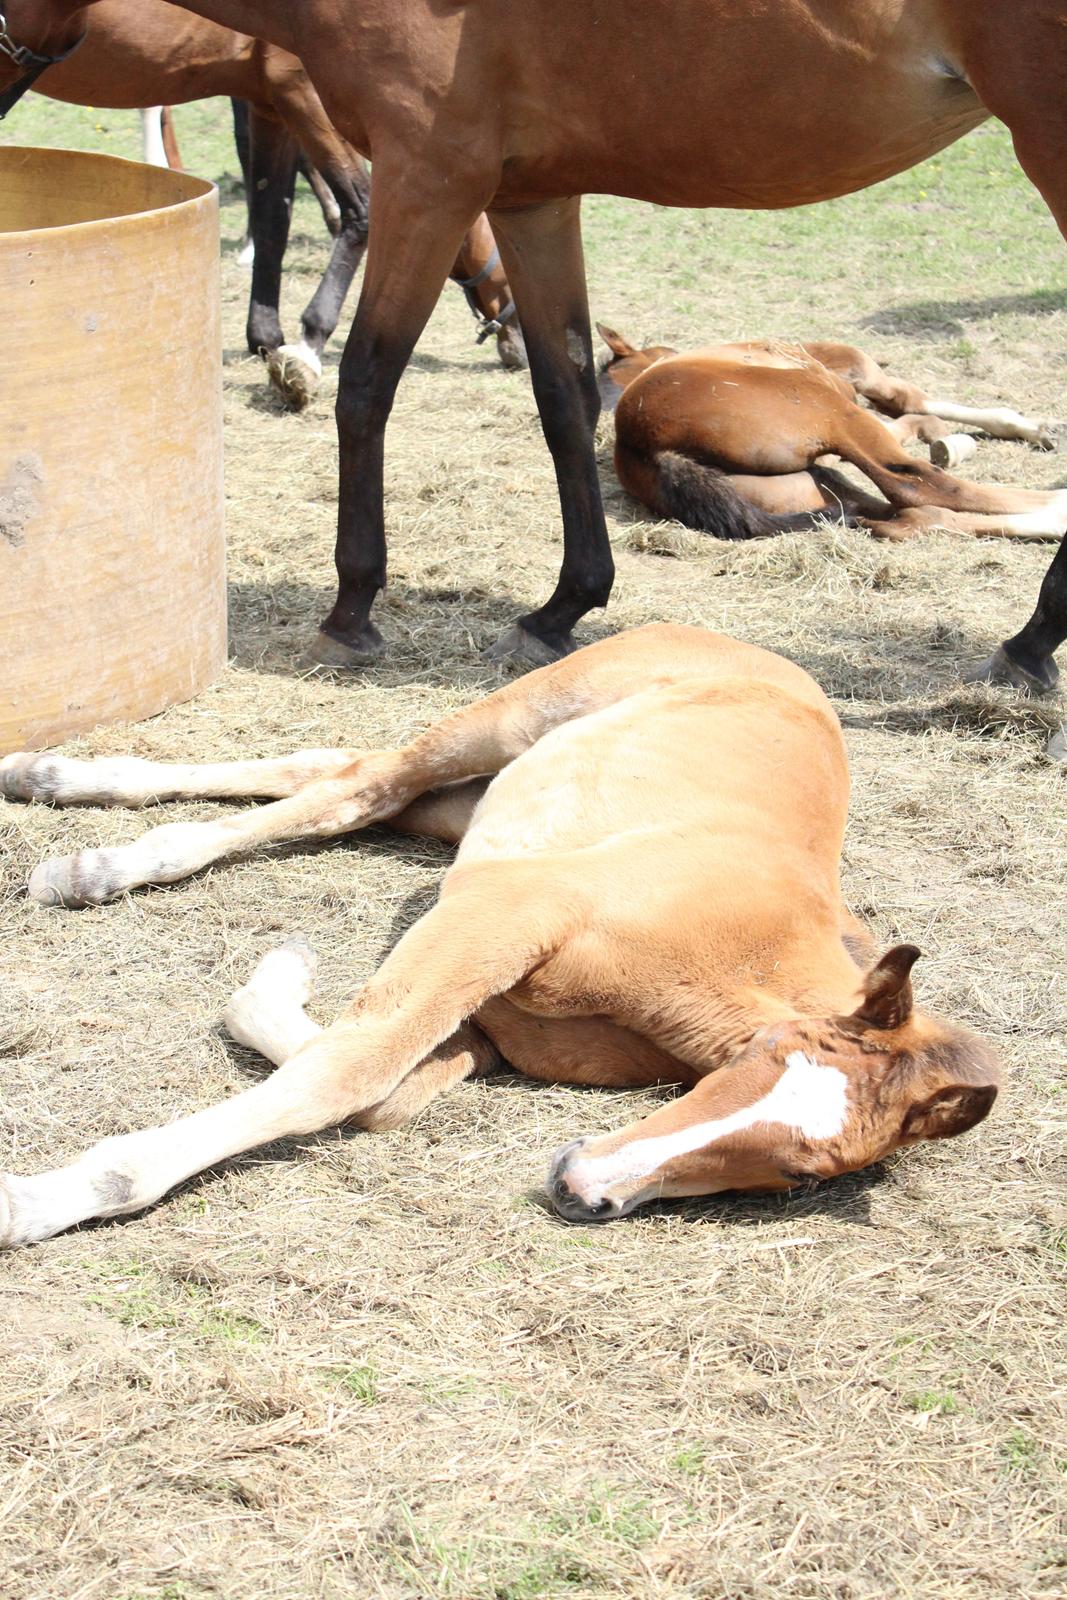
column 375, row 1366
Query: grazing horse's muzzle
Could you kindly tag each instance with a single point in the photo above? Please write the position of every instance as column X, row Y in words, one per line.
column 565, row 1202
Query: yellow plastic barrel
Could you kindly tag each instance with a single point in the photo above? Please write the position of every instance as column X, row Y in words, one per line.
column 112, row 575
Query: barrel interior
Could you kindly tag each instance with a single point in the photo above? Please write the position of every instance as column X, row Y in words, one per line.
column 57, row 188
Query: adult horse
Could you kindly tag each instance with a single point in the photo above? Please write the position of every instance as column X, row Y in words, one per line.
column 146, row 52
column 522, row 106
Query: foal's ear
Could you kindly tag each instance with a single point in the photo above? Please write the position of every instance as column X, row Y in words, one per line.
column 950, row 1111
column 887, row 998
column 615, row 341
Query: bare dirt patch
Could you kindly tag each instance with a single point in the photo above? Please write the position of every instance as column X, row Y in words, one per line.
column 374, row 1365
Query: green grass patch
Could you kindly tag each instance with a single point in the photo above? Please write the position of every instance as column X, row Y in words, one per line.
column 937, row 1402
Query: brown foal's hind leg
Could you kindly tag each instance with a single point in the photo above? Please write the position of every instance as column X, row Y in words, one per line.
column 899, row 399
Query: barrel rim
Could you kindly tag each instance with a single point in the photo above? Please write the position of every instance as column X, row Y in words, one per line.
column 198, row 193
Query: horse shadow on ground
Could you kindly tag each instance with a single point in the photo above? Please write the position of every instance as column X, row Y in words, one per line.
column 922, row 317
column 435, row 636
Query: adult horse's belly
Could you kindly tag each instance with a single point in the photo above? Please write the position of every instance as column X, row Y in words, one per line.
column 726, row 103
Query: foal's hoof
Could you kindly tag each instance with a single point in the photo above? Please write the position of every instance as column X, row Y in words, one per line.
column 86, row 879
column 1001, row 669
column 518, row 647
column 27, row 776
column 294, row 370
column 346, row 656
column 1056, row 749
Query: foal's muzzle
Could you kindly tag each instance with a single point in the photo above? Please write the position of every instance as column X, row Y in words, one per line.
column 565, row 1202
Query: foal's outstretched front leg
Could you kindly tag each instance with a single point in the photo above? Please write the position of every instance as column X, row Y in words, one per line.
column 442, row 971
column 267, row 1014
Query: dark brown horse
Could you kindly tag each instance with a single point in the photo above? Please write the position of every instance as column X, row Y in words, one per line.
column 522, row 106
column 740, row 440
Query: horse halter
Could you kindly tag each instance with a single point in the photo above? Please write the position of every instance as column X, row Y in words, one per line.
column 33, row 63
column 486, row 325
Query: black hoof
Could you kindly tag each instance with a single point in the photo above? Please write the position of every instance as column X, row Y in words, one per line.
column 1001, row 669
column 346, row 655
column 520, row 648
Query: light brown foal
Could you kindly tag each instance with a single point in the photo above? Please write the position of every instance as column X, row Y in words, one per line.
column 738, row 440
column 646, row 891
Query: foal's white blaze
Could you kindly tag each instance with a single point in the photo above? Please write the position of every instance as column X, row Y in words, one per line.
column 808, row 1097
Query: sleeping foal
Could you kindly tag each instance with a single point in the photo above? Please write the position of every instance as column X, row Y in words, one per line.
column 739, row 440
column 645, row 891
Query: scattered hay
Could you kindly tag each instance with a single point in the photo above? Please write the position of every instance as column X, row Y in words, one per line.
column 982, row 709
column 376, row 1366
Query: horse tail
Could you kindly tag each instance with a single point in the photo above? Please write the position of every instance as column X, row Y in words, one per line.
column 704, row 498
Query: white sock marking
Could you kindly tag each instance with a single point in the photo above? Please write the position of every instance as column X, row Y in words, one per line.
column 152, row 136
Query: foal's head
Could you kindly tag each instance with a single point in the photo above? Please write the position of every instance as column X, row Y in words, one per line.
column 805, row 1100
column 624, row 364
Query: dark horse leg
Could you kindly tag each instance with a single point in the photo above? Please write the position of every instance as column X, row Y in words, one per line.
column 418, row 229
column 271, row 181
column 1013, row 91
column 541, row 247
column 296, row 369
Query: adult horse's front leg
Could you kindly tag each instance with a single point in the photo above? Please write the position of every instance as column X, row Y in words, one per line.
column 415, row 239
column 542, row 251
column 1026, row 659
column 1011, row 70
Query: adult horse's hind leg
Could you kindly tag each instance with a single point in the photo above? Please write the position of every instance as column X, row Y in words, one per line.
column 296, row 369
column 542, row 252
column 272, row 179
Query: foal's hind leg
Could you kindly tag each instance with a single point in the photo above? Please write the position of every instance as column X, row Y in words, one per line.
column 340, row 791
column 898, row 399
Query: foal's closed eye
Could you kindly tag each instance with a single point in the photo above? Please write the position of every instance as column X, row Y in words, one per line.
column 802, row 1177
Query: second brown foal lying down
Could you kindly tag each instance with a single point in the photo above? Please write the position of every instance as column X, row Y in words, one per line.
column 645, row 891
column 739, row 439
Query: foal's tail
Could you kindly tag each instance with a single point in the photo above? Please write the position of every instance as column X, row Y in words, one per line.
column 704, row 498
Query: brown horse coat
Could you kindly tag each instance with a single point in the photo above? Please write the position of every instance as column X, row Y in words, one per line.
column 524, row 105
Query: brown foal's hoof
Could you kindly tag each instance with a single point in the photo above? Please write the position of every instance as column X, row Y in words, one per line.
column 326, row 651
column 519, row 648
column 1001, row 669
